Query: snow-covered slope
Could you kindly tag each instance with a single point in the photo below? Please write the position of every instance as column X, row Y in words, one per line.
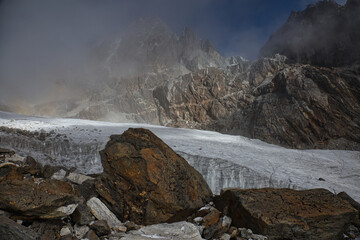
column 224, row 160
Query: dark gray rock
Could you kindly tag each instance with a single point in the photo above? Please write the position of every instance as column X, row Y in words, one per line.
column 100, row 227
column 11, row 230
column 86, row 190
column 47, row 229
column 82, row 215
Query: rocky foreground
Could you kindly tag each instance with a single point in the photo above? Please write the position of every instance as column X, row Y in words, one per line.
column 147, row 191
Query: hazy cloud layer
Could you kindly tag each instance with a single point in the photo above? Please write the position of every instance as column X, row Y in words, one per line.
column 44, row 41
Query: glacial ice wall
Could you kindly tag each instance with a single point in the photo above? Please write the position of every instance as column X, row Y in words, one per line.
column 54, row 151
column 223, row 160
column 220, row 174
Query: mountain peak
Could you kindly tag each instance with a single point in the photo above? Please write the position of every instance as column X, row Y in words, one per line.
column 143, row 27
column 188, row 36
column 324, row 34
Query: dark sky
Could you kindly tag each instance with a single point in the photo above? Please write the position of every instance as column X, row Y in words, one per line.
column 40, row 39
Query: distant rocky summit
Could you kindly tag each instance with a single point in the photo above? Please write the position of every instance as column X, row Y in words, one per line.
column 324, row 34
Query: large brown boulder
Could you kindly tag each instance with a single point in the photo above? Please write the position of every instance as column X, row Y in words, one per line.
column 146, row 182
column 288, row 214
column 37, row 198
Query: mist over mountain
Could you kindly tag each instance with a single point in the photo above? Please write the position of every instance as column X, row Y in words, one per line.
column 149, row 45
column 324, row 34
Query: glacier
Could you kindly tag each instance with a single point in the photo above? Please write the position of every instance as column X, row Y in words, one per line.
column 224, row 160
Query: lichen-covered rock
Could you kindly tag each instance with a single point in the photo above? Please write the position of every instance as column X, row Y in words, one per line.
column 146, row 182
column 288, row 214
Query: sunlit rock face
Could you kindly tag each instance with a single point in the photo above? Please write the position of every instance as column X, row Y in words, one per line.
column 298, row 106
column 324, row 34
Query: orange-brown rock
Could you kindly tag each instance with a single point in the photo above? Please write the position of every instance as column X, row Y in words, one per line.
column 288, row 214
column 146, row 182
column 34, row 198
column 211, row 218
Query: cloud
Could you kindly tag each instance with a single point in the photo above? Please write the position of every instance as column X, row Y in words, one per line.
column 44, row 41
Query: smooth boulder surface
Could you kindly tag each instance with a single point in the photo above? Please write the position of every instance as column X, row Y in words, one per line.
column 146, row 182
column 288, row 214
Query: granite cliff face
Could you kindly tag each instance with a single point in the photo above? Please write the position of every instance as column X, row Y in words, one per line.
column 299, row 106
column 324, row 34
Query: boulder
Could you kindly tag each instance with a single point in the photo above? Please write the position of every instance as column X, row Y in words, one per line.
column 82, row 215
column 350, row 200
column 174, row 231
column 91, row 235
column 101, row 212
column 80, row 231
column 86, row 190
column 31, row 167
column 9, row 171
column 211, row 218
column 60, row 212
column 100, row 227
column 37, row 198
column 48, row 229
column 78, row 178
column 288, row 214
column 11, row 230
column 59, row 175
column 65, row 231
column 146, row 182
